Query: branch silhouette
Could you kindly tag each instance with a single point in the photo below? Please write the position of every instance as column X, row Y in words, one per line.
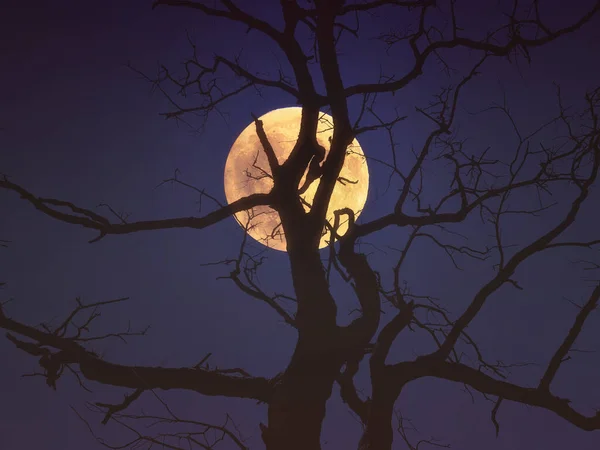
column 310, row 39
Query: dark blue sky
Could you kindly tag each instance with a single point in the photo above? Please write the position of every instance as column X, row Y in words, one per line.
column 80, row 126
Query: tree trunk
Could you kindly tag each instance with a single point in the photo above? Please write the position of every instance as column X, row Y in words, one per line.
column 297, row 409
column 379, row 434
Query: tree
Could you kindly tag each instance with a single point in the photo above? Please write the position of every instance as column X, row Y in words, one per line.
column 493, row 187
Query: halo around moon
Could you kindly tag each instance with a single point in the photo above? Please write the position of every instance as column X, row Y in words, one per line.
column 247, row 172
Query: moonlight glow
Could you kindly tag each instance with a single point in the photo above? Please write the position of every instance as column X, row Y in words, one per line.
column 247, row 170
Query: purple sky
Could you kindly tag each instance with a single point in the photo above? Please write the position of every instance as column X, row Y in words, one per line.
column 79, row 126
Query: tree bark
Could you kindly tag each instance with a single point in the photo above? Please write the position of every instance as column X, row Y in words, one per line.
column 379, row 434
column 297, row 408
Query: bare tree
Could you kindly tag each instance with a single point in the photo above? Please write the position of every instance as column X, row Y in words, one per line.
column 327, row 353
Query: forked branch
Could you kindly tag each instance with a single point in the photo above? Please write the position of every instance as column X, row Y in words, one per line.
column 57, row 351
column 89, row 219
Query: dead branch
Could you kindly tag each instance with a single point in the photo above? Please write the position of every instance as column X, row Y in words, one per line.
column 567, row 345
column 58, row 350
column 508, row 391
column 91, row 220
column 515, row 42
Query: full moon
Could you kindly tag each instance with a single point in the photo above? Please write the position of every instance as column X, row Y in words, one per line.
column 247, row 172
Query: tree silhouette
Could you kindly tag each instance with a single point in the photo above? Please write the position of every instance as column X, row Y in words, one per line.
column 481, row 185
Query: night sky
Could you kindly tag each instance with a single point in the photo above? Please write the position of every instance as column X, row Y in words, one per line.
column 79, row 125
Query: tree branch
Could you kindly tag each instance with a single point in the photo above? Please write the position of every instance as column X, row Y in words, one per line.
column 515, row 42
column 508, row 391
column 69, row 351
column 91, row 220
column 567, row 344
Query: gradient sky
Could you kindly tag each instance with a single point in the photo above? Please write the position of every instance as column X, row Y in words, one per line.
column 80, row 126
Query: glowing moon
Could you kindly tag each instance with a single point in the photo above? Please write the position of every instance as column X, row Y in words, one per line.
column 247, row 172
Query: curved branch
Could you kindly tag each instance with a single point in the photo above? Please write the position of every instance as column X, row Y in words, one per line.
column 401, row 219
column 365, row 284
column 94, row 368
column 232, row 13
column 516, row 41
column 561, row 354
column 348, row 391
column 508, row 391
column 89, row 219
column 370, row 5
column 256, row 80
column 285, row 40
column 519, row 257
